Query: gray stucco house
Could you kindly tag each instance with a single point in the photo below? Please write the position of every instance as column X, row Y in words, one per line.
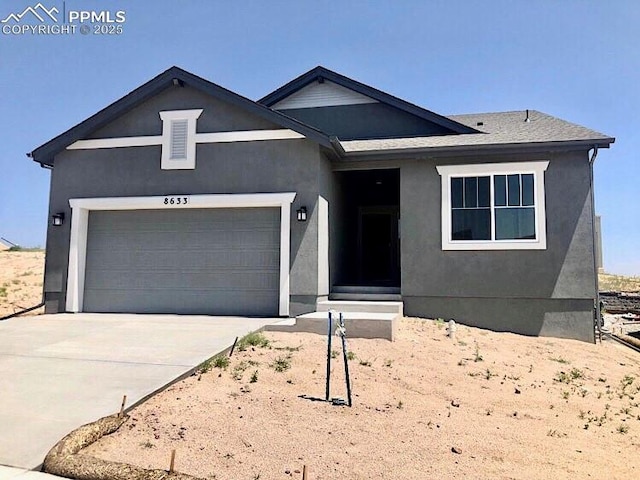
column 184, row 197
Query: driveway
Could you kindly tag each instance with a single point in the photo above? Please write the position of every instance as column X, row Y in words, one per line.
column 58, row 372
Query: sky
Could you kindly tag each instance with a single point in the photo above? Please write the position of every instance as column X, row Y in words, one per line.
column 575, row 59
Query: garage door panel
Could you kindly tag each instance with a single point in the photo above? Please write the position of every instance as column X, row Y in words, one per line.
column 189, row 302
column 215, row 261
column 190, row 260
column 174, row 282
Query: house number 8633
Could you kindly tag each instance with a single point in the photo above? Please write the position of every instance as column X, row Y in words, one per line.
column 176, row 200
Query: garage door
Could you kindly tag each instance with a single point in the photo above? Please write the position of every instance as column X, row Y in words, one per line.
column 190, row 261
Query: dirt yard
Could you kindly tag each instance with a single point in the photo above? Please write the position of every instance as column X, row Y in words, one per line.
column 21, row 275
column 481, row 405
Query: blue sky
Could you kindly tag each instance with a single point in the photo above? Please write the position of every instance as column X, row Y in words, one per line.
column 578, row 60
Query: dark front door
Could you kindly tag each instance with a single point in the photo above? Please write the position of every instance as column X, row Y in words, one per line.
column 378, row 246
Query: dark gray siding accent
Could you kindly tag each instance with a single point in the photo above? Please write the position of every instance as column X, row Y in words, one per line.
column 209, row 261
column 373, row 120
column 566, row 318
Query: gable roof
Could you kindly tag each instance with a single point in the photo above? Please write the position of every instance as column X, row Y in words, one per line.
column 44, row 154
column 498, row 130
column 321, row 73
column 6, row 243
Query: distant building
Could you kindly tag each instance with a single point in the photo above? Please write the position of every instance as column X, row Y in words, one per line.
column 5, row 244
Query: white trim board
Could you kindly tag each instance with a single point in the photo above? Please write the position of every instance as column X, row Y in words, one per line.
column 214, row 137
column 80, row 208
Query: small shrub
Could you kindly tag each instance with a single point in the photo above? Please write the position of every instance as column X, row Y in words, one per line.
column 388, row 363
column 238, row 370
column 576, row 374
column 626, row 381
column 334, row 354
column 560, row 360
column 254, row 339
column 254, row 377
column 365, row 363
column 565, row 395
column 281, row 364
column 476, row 356
column 351, row 356
column 3, row 291
column 400, row 405
column 221, row 361
column 622, row 429
column 146, row 444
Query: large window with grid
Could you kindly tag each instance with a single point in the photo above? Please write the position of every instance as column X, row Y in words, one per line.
column 496, row 206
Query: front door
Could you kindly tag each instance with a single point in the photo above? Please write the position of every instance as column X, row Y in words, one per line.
column 378, row 246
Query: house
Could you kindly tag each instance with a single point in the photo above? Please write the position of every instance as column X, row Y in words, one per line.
column 6, row 244
column 185, row 197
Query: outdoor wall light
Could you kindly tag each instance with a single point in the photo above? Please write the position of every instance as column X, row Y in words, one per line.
column 57, row 219
column 301, row 214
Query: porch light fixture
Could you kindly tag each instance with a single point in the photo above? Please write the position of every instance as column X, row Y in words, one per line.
column 301, row 214
column 57, row 219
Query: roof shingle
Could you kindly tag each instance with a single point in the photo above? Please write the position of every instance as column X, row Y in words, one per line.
column 499, row 129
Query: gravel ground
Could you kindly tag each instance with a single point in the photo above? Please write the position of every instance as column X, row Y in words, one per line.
column 480, row 405
column 21, row 275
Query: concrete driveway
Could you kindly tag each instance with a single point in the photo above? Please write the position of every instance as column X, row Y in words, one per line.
column 58, row 372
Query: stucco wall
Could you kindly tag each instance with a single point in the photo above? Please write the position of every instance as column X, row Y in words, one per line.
column 535, row 292
column 243, row 167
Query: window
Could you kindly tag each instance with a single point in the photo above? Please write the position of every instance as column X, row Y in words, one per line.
column 179, row 139
column 496, row 206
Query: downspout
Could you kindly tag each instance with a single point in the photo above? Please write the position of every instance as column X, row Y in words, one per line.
column 598, row 314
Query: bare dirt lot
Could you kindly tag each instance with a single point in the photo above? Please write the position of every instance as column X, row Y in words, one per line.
column 481, row 405
column 21, row 275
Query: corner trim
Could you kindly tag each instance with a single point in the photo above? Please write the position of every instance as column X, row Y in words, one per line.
column 80, row 208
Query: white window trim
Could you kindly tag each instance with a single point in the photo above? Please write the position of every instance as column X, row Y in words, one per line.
column 80, row 208
column 536, row 168
column 168, row 117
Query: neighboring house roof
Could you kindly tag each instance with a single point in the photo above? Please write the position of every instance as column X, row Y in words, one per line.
column 44, row 154
column 321, row 73
column 6, row 244
column 499, row 130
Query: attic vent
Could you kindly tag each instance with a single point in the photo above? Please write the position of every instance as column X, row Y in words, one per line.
column 179, row 132
column 179, row 139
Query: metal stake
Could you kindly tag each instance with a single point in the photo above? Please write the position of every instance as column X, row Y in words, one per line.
column 329, row 331
column 346, row 359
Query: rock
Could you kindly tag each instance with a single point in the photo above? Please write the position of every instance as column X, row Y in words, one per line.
column 456, row 450
column 455, row 403
column 518, row 391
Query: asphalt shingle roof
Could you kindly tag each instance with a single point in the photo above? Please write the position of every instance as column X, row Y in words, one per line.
column 499, row 129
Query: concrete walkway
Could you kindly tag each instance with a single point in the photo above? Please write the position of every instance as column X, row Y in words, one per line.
column 13, row 473
column 58, row 372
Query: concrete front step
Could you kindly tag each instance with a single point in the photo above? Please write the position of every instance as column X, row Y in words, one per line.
column 356, row 306
column 366, row 297
column 357, row 324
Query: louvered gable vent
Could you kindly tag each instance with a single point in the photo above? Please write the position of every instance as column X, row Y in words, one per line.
column 179, row 139
column 179, row 133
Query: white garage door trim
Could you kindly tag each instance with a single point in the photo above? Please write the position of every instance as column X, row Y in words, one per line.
column 80, row 208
